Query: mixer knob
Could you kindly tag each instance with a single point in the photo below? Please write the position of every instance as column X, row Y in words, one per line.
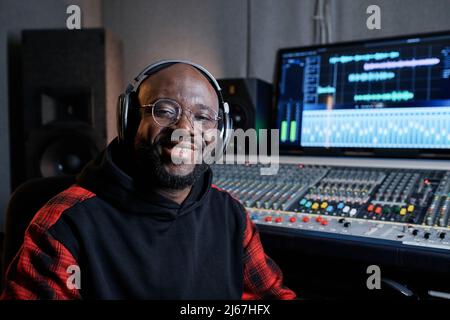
column 268, row 219
column 305, row 219
column 426, row 235
column 442, row 235
column 415, row 232
column 292, row 219
column 378, row 210
column 347, row 224
column 324, row 222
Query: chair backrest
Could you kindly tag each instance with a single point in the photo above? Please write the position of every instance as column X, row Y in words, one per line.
column 25, row 202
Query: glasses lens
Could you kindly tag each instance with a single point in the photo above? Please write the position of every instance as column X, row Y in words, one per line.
column 165, row 112
column 207, row 118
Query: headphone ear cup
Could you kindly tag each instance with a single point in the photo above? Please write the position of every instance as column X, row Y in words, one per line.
column 228, row 131
column 133, row 117
column 128, row 117
column 225, row 128
column 121, row 119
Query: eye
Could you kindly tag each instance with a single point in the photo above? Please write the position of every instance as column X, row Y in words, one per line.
column 165, row 111
column 203, row 117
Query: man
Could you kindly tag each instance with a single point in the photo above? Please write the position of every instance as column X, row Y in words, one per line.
column 137, row 225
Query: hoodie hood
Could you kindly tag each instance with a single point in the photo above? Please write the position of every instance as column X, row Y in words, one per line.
column 107, row 178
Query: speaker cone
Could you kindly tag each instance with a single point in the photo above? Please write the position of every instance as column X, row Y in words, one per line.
column 62, row 149
column 66, row 156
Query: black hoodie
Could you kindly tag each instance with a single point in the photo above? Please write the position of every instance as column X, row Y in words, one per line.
column 131, row 244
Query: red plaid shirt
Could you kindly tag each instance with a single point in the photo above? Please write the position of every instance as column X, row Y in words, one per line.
column 39, row 270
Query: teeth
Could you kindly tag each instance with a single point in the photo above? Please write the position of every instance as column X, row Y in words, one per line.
column 189, row 147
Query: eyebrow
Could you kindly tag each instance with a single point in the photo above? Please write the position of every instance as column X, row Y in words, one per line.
column 198, row 105
column 204, row 106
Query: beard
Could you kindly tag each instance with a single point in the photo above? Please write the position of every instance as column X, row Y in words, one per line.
column 150, row 167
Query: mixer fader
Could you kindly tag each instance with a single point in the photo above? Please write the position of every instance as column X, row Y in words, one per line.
column 409, row 207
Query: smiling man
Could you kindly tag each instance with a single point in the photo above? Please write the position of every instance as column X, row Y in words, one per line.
column 136, row 225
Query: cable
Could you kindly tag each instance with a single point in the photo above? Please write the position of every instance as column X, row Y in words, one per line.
column 249, row 22
column 322, row 17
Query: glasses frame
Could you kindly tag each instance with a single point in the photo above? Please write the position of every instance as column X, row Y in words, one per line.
column 180, row 114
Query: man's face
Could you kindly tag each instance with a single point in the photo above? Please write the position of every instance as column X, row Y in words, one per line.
column 153, row 143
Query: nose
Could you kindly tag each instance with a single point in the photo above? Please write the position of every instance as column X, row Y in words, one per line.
column 185, row 122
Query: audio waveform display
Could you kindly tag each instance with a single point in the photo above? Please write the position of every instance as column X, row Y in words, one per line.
column 401, row 64
column 370, row 76
column 328, row 89
column 388, row 96
column 365, row 57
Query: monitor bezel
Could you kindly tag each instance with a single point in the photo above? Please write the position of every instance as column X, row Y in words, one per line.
column 426, row 153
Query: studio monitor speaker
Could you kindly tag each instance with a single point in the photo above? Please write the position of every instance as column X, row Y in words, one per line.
column 250, row 102
column 70, row 80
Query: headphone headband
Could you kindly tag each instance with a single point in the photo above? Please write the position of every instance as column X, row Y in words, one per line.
column 154, row 67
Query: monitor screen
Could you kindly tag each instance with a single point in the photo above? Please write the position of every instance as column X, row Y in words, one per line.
column 388, row 93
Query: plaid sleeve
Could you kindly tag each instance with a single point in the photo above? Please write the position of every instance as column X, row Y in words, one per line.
column 262, row 277
column 39, row 270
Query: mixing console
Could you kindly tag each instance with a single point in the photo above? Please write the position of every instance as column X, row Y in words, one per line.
column 410, row 207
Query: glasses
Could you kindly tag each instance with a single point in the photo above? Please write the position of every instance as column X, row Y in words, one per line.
column 168, row 112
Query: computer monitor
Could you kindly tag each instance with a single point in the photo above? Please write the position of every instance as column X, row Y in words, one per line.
column 385, row 96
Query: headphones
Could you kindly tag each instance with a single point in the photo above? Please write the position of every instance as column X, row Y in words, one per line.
column 129, row 116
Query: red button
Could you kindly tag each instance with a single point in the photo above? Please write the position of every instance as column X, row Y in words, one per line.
column 319, row 219
column 292, row 219
column 268, row 219
column 378, row 210
column 305, row 219
column 370, row 207
column 278, row 220
column 324, row 222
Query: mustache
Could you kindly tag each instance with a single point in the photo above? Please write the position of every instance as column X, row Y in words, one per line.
column 166, row 140
column 145, row 149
